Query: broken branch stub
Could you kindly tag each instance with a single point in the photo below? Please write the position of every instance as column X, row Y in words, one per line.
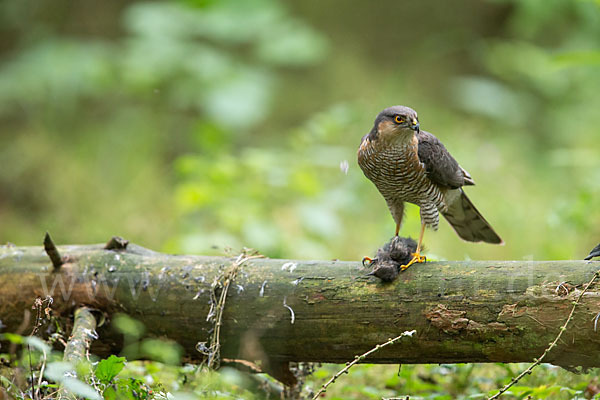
column 52, row 252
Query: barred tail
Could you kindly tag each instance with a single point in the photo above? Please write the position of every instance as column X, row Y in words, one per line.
column 468, row 223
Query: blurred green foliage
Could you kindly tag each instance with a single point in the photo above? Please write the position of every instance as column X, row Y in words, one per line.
column 160, row 375
column 118, row 378
column 200, row 125
column 461, row 381
column 192, row 126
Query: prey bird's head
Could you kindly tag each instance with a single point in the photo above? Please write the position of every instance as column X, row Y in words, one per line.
column 396, row 121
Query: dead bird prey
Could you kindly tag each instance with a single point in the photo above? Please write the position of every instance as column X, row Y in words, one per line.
column 391, row 257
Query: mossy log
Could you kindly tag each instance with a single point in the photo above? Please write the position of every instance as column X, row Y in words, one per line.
column 324, row 311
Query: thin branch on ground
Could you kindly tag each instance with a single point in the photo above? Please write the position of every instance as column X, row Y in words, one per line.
column 84, row 331
column 358, row 359
column 538, row 361
column 77, row 349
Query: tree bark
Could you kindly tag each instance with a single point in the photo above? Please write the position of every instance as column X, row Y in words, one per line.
column 326, row 311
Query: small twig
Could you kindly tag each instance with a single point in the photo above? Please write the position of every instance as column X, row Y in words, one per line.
column 358, row 359
column 116, row 243
column 217, row 307
column 536, row 320
column 31, row 373
column 563, row 328
column 248, row 364
column 43, row 367
column 561, row 286
column 38, row 305
column 52, row 252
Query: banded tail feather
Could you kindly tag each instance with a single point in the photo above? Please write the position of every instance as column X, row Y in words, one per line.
column 467, row 221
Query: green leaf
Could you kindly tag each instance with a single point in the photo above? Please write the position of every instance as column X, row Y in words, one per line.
column 109, row 393
column 167, row 352
column 12, row 337
column 38, row 344
column 33, row 341
column 56, row 370
column 128, row 326
column 109, row 368
column 81, row 389
column 578, row 58
column 5, row 382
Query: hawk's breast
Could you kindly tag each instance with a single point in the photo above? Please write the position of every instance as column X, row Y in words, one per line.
column 397, row 172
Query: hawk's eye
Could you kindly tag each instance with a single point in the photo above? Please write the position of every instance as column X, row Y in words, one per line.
column 398, row 119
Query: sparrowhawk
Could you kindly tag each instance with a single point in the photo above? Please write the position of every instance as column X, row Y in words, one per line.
column 410, row 165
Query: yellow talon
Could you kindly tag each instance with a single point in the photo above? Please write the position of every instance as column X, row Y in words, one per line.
column 369, row 259
column 417, row 258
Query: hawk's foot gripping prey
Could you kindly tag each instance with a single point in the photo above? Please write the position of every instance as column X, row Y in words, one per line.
column 416, row 256
column 392, row 257
column 410, row 165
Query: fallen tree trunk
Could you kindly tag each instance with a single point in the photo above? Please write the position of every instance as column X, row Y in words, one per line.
column 327, row 311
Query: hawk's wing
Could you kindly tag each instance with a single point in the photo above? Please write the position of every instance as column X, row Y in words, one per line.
column 442, row 169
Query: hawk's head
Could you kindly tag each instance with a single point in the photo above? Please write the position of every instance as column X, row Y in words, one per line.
column 394, row 121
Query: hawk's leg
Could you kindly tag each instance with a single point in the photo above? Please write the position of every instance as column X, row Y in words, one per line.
column 417, row 257
column 397, row 229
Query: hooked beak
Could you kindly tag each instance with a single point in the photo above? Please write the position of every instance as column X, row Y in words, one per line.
column 415, row 125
